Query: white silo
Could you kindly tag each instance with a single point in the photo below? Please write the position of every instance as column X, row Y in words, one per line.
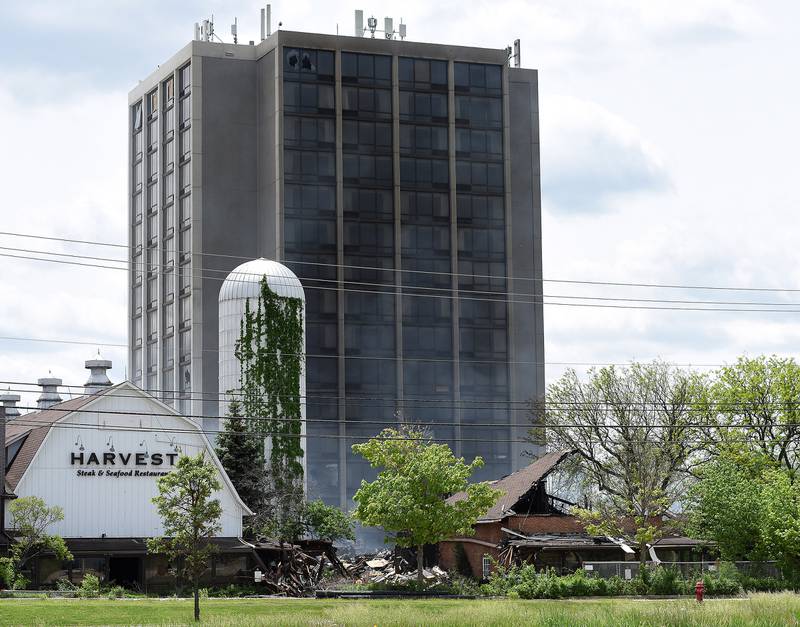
column 241, row 285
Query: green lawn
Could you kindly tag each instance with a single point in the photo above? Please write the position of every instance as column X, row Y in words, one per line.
column 761, row 609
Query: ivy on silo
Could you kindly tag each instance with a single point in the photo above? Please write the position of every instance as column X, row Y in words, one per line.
column 270, row 353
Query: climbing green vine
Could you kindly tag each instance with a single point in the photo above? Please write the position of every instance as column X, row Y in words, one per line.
column 270, row 351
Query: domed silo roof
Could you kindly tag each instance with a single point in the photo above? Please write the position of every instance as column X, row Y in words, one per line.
column 244, row 281
column 241, row 285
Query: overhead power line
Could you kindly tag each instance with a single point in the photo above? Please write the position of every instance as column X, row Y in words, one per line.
column 405, row 270
column 390, row 287
column 34, row 424
column 405, row 358
column 462, row 294
column 464, row 404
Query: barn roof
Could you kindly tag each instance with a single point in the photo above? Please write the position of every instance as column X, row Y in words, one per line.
column 517, row 485
column 34, row 427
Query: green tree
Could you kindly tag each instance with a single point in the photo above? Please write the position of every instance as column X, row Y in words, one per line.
column 31, row 519
column 756, row 403
column 327, row 523
column 190, row 517
column 270, row 351
column 408, row 496
column 635, row 441
column 780, row 519
column 724, row 505
column 241, row 453
column 749, row 506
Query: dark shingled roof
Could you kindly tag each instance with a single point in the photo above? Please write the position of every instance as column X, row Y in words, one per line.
column 35, row 427
column 517, row 485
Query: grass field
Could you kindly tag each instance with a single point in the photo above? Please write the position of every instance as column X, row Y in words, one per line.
column 761, row 609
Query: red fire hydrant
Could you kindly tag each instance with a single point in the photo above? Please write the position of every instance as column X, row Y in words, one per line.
column 699, row 591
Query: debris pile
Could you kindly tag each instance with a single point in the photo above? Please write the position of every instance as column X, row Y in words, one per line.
column 297, row 571
column 295, row 574
column 390, row 568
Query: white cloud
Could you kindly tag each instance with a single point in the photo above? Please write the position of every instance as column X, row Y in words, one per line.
column 591, row 157
column 66, row 178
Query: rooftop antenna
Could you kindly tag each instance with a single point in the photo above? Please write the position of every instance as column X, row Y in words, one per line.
column 372, row 26
column 513, row 53
column 235, row 30
column 359, row 23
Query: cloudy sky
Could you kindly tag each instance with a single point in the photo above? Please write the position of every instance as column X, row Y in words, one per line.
column 669, row 133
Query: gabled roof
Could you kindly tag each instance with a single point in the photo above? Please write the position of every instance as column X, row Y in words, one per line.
column 516, row 485
column 36, row 425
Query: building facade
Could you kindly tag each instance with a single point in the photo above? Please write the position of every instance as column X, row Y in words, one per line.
column 98, row 457
column 400, row 182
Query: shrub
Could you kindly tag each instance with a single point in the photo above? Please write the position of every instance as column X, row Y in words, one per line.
column 116, row 592
column 578, row 584
column 615, row 586
column 721, row 584
column 65, row 585
column 6, row 572
column 667, row 581
column 90, row 587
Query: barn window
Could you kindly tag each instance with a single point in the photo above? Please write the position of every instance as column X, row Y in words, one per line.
column 487, row 564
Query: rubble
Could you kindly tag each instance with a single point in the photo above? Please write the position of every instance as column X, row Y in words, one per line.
column 294, row 570
column 390, row 568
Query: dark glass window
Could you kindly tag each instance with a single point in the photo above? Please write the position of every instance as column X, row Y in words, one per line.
column 477, row 143
column 479, row 176
column 302, row 234
column 369, row 307
column 152, row 103
column 426, row 255
column 366, row 69
column 480, row 210
column 418, row 139
column 367, row 136
column 308, row 97
column 368, row 204
column 185, row 79
column 309, row 132
column 367, row 169
column 369, row 238
column 307, row 65
column 185, row 112
column 136, row 115
column 481, row 242
column 423, row 106
column 311, row 200
column 169, row 93
column 360, row 101
column 425, row 207
column 423, row 74
column 478, row 78
column 479, row 111
column 424, row 172
column 309, row 165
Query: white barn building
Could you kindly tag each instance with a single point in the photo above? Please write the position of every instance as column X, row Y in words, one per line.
column 98, row 457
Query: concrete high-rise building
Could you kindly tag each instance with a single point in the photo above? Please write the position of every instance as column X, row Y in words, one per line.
column 399, row 181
